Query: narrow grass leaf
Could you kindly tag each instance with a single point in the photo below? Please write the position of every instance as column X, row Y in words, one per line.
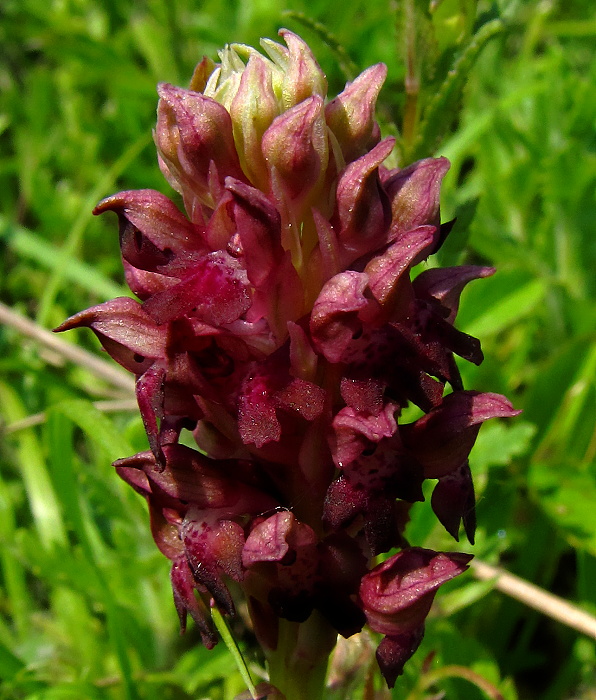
column 100, row 430
column 58, row 435
column 557, row 377
column 10, row 664
column 77, row 230
column 570, row 433
column 97, row 426
column 27, row 244
column 16, row 594
column 78, row 516
column 230, row 643
column 41, row 495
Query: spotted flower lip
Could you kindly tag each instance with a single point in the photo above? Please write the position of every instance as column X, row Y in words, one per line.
column 278, row 324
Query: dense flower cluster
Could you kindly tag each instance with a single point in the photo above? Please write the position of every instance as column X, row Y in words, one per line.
column 278, row 322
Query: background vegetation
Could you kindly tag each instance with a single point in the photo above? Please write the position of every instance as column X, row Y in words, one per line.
column 85, row 602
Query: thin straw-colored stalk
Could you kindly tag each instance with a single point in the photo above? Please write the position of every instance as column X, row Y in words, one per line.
column 105, row 370
column 112, row 406
column 536, row 598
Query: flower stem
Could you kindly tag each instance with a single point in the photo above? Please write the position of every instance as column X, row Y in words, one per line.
column 299, row 664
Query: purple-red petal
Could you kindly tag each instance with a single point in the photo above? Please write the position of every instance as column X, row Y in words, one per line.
column 445, row 285
column 216, row 292
column 442, row 439
column 183, row 585
column 454, row 502
column 397, row 594
column 334, row 318
column 125, row 330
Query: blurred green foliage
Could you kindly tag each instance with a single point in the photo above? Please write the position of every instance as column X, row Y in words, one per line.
column 506, row 91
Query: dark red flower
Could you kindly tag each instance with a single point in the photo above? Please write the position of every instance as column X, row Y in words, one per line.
column 277, row 320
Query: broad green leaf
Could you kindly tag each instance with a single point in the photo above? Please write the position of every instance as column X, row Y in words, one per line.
column 586, row 569
column 568, row 497
column 499, row 302
column 498, row 443
column 555, row 402
column 463, row 596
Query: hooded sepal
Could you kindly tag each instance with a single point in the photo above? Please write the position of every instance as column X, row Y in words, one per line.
column 149, row 390
column 397, row 594
column 303, row 75
column 362, row 212
column 414, row 193
column 196, row 144
column 350, row 115
column 296, row 151
column 253, row 108
column 444, row 285
column 152, row 229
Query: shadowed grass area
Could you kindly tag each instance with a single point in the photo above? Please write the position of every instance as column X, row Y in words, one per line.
column 85, row 601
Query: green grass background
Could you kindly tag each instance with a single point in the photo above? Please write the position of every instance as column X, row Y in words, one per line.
column 85, row 602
